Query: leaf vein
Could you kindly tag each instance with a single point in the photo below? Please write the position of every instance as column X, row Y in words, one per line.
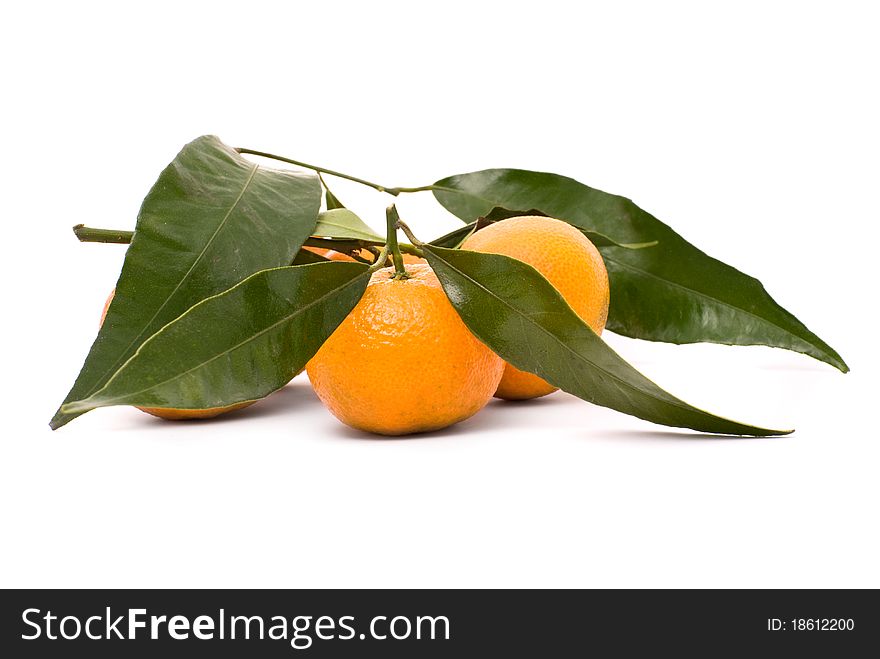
column 180, row 283
column 670, row 399
column 224, row 352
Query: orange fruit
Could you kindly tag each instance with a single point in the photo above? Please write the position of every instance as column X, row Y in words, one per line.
column 408, row 259
column 403, row 361
column 568, row 260
column 412, row 259
column 174, row 414
column 320, row 251
column 333, row 255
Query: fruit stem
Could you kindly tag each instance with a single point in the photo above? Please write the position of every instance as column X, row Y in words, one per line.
column 89, row 235
column 392, row 219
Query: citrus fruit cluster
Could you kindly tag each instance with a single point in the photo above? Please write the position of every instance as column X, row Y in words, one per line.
column 406, row 324
column 239, row 276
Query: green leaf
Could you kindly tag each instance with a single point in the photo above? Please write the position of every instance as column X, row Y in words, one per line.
column 332, row 200
column 455, row 238
column 343, row 223
column 237, row 346
column 598, row 239
column 515, row 311
column 211, row 219
column 672, row 292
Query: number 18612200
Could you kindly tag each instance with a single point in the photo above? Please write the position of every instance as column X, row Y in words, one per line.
column 811, row 624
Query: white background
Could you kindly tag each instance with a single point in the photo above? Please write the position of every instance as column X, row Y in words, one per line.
column 751, row 129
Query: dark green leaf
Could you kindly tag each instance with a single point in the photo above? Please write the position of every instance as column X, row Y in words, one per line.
column 672, row 292
column 343, row 223
column 511, row 308
column 239, row 345
column 455, row 238
column 598, row 239
column 500, row 213
column 211, row 219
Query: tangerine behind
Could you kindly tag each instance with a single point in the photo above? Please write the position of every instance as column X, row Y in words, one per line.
column 173, row 413
column 568, row 260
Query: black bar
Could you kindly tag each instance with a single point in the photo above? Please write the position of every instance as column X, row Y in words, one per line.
column 540, row 623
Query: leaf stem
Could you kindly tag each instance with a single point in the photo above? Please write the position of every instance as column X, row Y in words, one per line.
column 409, row 233
column 392, row 220
column 89, row 235
column 421, row 188
column 321, row 170
column 92, row 235
column 380, row 259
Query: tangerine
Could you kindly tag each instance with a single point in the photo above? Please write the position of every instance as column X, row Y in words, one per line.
column 440, row 373
column 568, row 260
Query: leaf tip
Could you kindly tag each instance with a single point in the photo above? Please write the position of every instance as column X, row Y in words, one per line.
column 60, row 419
column 832, row 358
column 757, row 431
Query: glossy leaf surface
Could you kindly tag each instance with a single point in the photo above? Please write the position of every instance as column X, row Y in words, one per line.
column 343, row 223
column 455, row 238
column 211, row 219
column 511, row 308
column 671, row 292
column 239, row 345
